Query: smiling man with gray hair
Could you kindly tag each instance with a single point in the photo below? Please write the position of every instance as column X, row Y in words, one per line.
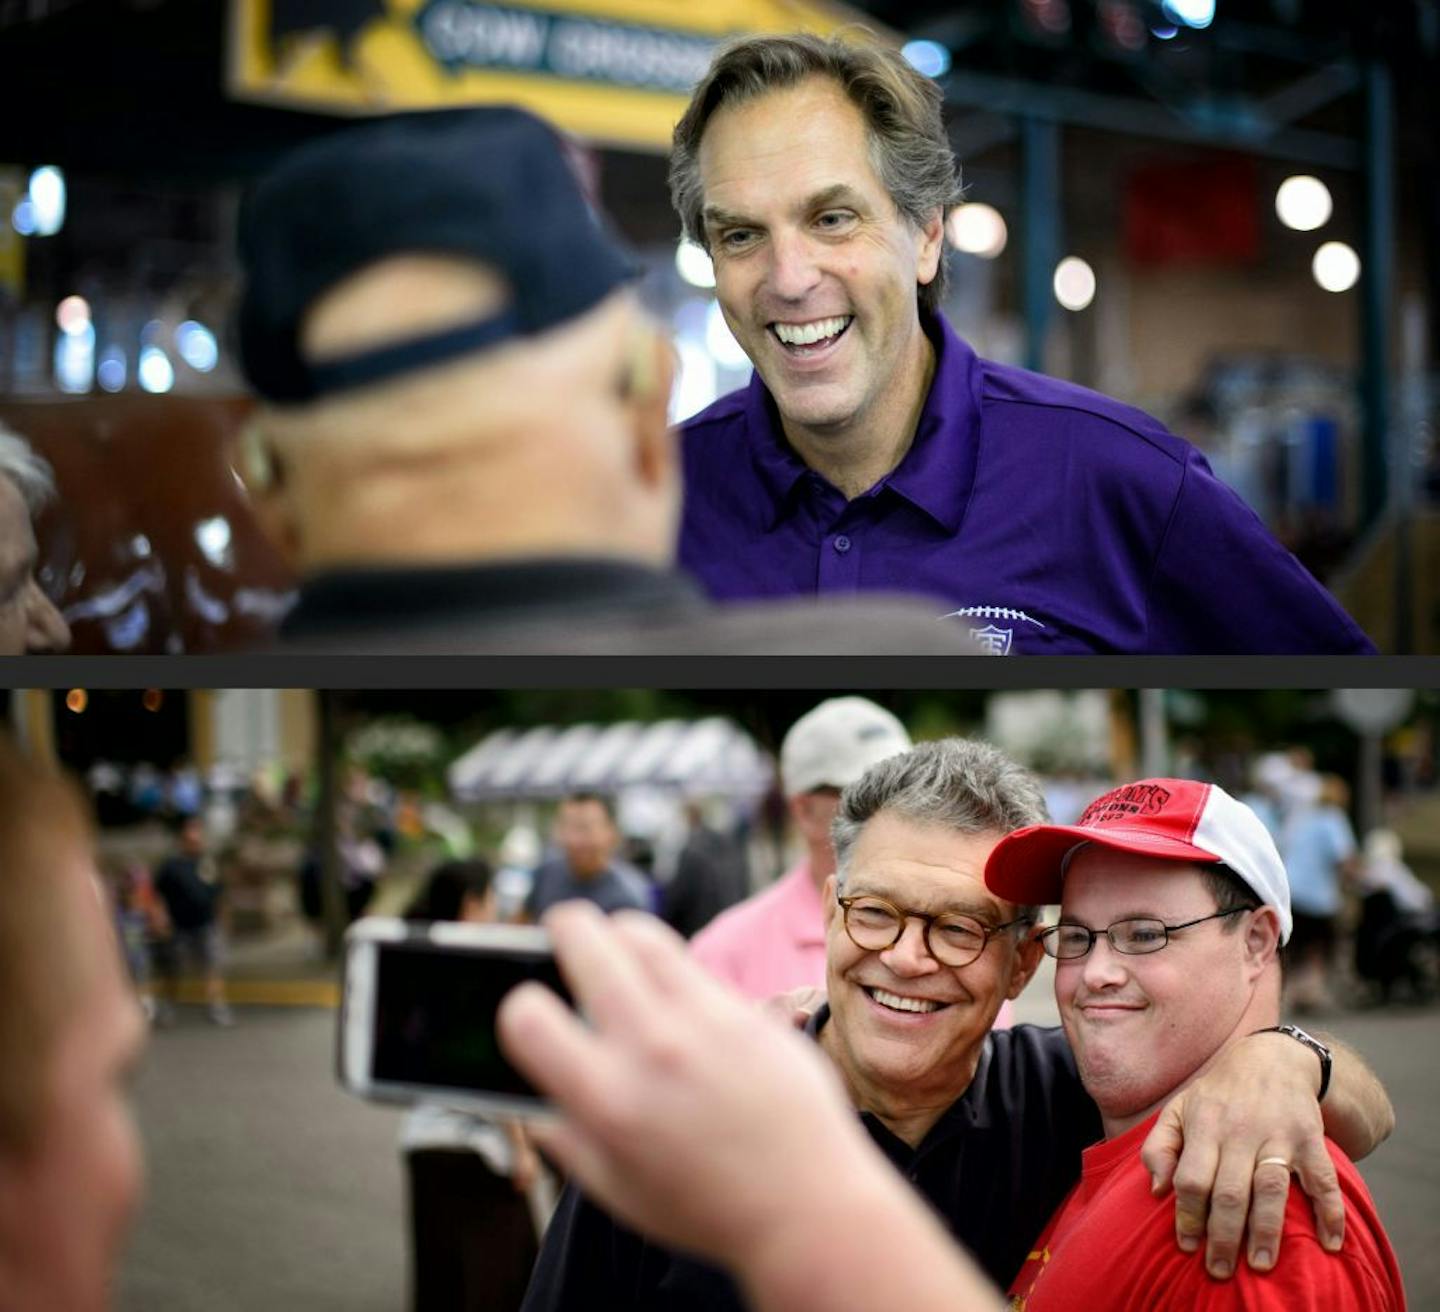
column 29, row 620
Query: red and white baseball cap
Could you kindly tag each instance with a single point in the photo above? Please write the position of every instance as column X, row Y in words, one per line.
column 1174, row 819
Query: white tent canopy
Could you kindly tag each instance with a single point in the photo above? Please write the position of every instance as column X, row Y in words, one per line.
column 710, row 757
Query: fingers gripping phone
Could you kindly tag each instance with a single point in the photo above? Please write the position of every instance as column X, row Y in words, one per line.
column 417, row 1017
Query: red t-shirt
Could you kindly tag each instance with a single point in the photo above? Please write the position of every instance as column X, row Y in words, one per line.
column 1110, row 1247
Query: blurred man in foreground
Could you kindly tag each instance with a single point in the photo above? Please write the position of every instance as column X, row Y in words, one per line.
column 1174, row 909
column 70, row 1030
column 29, row 621
column 988, row 1126
column 464, row 444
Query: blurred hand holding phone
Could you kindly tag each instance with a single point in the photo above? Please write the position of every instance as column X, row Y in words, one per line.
column 417, row 1019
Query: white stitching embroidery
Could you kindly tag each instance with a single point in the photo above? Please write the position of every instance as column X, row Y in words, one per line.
column 992, row 612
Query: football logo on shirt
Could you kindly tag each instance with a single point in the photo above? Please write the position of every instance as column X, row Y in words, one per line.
column 993, row 638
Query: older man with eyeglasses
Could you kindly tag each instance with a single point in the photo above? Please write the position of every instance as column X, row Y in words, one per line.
column 1174, row 908
column 988, row 1126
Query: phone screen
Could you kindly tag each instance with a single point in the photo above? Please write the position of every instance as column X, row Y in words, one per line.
column 435, row 1016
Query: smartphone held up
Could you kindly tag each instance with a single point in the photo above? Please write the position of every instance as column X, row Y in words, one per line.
column 417, row 1018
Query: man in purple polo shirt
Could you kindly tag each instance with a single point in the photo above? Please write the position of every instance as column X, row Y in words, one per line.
column 873, row 450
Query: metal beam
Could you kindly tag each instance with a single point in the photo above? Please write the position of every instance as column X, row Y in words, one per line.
column 1384, row 465
column 1228, row 125
column 1040, row 224
column 1307, row 94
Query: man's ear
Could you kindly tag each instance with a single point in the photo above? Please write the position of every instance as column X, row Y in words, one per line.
column 1262, row 937
column 656, row 447
column 931, row 248
column 828, row 905
column 1027, row 961
column 265, row 474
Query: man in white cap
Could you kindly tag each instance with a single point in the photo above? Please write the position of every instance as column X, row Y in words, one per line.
column 1174, row 908
column 775, row 941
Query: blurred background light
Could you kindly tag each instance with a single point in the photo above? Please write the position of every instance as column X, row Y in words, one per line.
column 110, row 372
column 693, row 264
column 1303, row 203
column 1336, row 267
column 1192, row 13
column 197, row 346
column 720, row 341
column 927, row 57
column 1051, row 17
column 72, row 315
column 1074, row 283
column 977, row 229
column 47, row 195
column 696, row 386
column 22, row 217
column 75, row 357
column 155, row 372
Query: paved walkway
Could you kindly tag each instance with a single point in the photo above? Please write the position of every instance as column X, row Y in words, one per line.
column 270, row 1188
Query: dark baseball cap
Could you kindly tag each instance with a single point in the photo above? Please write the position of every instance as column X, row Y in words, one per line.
column 490, row 183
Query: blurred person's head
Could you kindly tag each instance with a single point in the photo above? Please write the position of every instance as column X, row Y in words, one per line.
column 586, row 832
column 70, row 1030
column 911, row 840
column 1270, row 773
column 825, row 750
column 190, row 834
column 453, row 364
column 1191, row 886
column 832, row 236
column 1334, row 791
column 1383, row 846
column 29, row 620
column 456, row 890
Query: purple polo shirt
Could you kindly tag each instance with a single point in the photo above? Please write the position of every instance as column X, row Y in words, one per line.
column 1043, row 517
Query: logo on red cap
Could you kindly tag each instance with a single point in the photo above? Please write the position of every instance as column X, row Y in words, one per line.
column 1121, row 803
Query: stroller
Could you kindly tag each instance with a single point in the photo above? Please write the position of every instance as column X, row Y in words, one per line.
column 1395, row 947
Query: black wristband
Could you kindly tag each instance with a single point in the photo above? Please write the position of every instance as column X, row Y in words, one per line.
column 1315, row 1046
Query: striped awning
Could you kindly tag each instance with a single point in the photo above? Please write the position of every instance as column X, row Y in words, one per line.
column 709, row 757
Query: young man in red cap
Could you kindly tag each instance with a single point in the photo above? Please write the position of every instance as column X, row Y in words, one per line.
column 1174, row 908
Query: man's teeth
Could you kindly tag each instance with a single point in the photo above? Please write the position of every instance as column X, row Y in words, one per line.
column 897, row 1003
column 807, row 334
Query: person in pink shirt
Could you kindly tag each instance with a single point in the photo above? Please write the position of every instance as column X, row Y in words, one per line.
column 774, row 941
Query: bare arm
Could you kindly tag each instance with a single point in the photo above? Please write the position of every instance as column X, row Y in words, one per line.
column 1257, row 1102
column 1357, row 1111
column 714, row 1128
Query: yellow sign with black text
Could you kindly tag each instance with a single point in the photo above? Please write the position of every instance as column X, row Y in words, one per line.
column 614, row 72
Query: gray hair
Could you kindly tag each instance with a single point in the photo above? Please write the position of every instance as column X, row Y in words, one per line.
column 956, row 783
column 30, row 472
column 909, row 148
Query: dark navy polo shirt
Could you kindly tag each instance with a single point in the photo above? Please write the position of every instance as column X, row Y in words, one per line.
column 995, row 1167
column 1044, row 517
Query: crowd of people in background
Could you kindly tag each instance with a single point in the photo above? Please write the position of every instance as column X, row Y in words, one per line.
column 1366, row 928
